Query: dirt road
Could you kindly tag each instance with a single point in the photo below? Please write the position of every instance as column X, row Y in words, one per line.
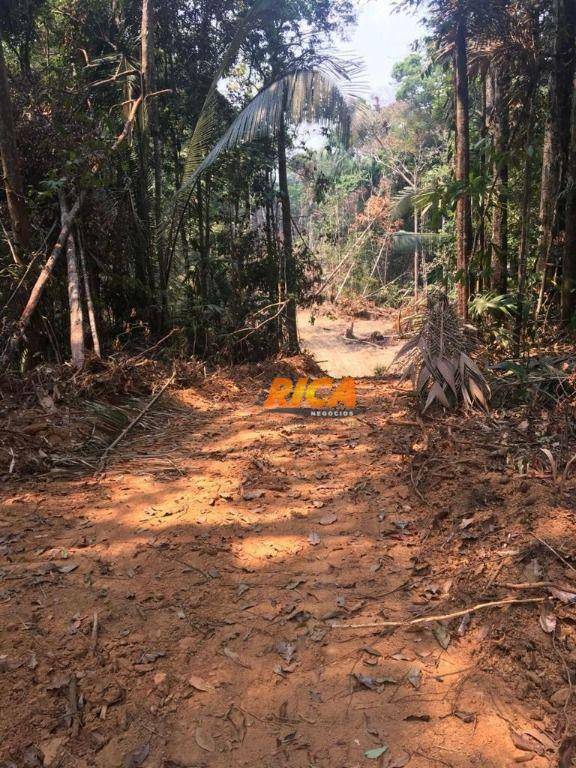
column 178, row 612
column 340, row 356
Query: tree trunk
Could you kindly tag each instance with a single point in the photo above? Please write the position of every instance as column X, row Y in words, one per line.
column 202, row 247
column 556, row 141
column 479, row 243
column 272, row 257
column 41, row 281
column 524, row 234
column 74, row 296
column 568, row 298
column 462, row 164
column 13, row 183
column 416, row 255
column 501, row 136
column 147, row 120
column 151, row 130
column 288, row 251
column 89, row 300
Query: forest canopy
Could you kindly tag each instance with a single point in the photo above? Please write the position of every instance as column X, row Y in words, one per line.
column 156, row 174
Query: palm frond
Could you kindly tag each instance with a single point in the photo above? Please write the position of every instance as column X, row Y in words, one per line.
column 438, row 359
column 492, row 304
column 305, row 95
column 407, row 242
column 308, row 94
column 206, row 128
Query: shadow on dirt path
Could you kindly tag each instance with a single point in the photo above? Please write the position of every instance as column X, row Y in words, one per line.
column 182, row 618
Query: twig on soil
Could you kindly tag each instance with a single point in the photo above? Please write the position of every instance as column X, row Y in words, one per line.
column 414, row 483
column 94, row 638
column 442, row 617
column 432, row 759
column 73, row 713
column 133, row 423
column 533, row 585
column 186, row 564
column 558, row 555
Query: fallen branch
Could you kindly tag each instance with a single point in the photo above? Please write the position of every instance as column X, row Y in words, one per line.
column 94, row 637
column 145, row 352
column 67, row 222
column 442, row 617
column 558, row 555
column 133, row 423
column 43, row 277
column 73, row 714
column 127, row 130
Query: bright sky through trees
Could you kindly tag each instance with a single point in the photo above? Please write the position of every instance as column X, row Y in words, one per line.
column 382, row 37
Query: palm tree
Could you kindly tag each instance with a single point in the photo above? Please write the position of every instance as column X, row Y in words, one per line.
column 307, row 94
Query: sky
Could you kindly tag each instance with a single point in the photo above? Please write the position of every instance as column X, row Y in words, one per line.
column 382, row 38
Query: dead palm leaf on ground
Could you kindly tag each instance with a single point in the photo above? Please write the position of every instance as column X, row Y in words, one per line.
column 438, row 361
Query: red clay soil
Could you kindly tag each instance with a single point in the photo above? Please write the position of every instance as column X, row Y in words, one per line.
column 179, row 610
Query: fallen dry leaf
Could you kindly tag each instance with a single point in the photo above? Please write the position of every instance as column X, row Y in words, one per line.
column 295, row 583
column 204, row 739
column 441, row 634
column 233, row 656
column 525, row 742
column 236, row 717
column 546, row 741
column 200, row 684
column 567, row 598
column 466, row 717
column 547, row 617
column 402, row 656
column 365, row 681
column 463, row 625
column 256, row 493
column 68, row 568
column 415, row 677
column 137, row 757
column 286, row 650
column 424, row 718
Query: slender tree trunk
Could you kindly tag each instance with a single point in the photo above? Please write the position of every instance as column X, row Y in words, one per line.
column 74, row 296
column 147, row 120
column 289, row 263
column 462, row 164
column 13, row 183
column 272, row 257
column 147, row 54
column 556, row 141
column 416, row 255
column 524, row 232
column 203, row 218
column 89, row 300
column 152, row 130
column 501, row 135
column 480, row 251
column 568, row 298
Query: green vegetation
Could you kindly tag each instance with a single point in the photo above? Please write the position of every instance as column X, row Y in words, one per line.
column 155, row 176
